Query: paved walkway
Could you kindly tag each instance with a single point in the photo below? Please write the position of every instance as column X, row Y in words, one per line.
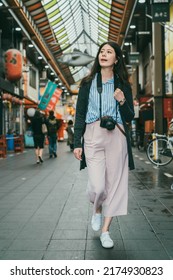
column 44, row 212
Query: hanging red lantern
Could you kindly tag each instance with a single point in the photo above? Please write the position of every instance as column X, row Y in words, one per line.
column 13, row 65
column 5, row 96
column 10, row 97
column 14, row 99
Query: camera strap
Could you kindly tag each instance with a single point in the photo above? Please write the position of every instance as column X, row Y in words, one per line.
column 99, row 89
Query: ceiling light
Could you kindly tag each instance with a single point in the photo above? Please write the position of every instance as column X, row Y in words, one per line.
column 18, row 29
column 40, row 57
column 126, row 44
column 143, row 32
column 141, row 1
column 132, row 26
column 30, row 45
column 52, row 73
column 46, row 66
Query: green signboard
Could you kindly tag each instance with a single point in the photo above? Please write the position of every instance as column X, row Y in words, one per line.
column 134, row 58
column 160, row 12
column 49, row 91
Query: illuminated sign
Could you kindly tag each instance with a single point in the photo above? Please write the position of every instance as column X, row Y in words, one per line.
column 160, row 12
column 160, row 1
column 134, row 58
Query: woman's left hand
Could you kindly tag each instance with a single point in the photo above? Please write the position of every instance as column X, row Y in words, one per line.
column 118, row 94
column 78, row 153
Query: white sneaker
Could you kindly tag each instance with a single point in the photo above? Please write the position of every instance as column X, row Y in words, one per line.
column 96, row 221
column 106, row 241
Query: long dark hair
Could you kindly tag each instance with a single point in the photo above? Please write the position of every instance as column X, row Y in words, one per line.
column 37, row 114
column 119, row 68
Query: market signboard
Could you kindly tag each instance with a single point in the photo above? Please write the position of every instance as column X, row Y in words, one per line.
column 49, row 91
column 134, row 58
column 54, row 99
column 160, row 10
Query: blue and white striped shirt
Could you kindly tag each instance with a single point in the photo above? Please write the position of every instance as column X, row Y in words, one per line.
column 109, row 104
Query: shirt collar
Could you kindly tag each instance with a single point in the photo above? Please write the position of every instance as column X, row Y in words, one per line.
column 110, row 81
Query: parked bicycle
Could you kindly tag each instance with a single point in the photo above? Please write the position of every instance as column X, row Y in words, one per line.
column 160, row 149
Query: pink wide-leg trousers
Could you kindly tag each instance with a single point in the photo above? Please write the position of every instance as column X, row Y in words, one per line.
column 107, row 164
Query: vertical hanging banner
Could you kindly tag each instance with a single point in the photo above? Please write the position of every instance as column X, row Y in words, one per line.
column 54, row 99
column 48, row 93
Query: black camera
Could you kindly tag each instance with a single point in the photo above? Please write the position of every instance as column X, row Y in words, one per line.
column 107, row 122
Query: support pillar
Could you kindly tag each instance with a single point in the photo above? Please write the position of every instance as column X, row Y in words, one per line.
column 1, row 114
column 158, row 76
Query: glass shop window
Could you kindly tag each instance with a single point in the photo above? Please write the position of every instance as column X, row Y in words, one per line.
column 32, row 78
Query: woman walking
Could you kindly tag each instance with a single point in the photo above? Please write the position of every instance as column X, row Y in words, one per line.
column 70, row 135
column 101, row 138
column 38, row 135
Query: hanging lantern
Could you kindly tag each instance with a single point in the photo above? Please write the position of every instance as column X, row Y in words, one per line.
column 17, row 101
column 31, row 112
column 5, row 96
column 14, row 99
column 10, row 97
column 13, row 65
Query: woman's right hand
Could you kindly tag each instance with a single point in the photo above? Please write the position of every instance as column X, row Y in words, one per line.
column 78, row 153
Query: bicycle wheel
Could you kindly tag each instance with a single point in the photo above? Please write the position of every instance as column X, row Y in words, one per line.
column 159, row 151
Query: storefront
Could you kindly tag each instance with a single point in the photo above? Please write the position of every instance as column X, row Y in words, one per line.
column 11, row 104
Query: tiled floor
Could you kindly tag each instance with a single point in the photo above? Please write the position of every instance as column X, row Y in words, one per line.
column 45, row 214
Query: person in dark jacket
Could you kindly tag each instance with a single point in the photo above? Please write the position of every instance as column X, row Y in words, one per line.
column 101, row 137
column 70, row 134
column 36, row 122
column 52, row 125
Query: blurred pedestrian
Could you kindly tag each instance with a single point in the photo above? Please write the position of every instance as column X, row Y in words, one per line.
column 170, row 128
column 38, row 136
column 101, row 137
column 53, row 125
column 70, row 134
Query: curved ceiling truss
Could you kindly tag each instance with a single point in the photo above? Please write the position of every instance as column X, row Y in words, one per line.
column 60, row 26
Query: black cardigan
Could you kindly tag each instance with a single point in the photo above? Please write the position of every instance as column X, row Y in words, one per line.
column 126, row 112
